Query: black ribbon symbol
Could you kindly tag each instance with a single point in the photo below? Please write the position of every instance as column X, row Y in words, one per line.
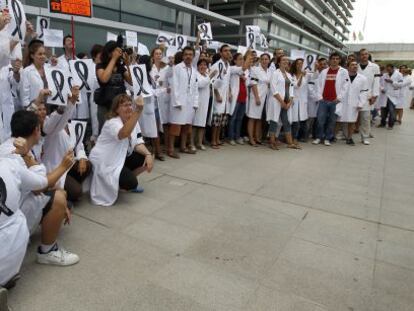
column 180, row 42
column 251, row 39
column 17, row 13
column 59, row 81
column 44, row 24
column 78, row 134
column 83, row 73
column 139, row 76
column 309, row 62
column 3, row 196
column 221, row 67
column 264, row 42
column 204, row 30
column 162, row 39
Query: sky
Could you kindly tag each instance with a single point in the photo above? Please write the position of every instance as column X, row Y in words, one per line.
column 386, row 20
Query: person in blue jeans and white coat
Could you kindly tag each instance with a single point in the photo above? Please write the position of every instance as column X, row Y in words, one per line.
column 333, row 85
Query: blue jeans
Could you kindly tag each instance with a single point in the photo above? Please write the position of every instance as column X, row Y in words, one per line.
column 326, row 120
column 236, row 121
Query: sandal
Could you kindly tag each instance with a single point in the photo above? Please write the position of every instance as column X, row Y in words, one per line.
column 215, row 147
column 160, row 157
column 188, row 151
column 274, row 146
column 173, row 155
column 253, row 144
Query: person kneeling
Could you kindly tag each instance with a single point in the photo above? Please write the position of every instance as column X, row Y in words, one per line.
column 120, row 153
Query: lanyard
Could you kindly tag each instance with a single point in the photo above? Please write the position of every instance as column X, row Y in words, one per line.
column 189, row 75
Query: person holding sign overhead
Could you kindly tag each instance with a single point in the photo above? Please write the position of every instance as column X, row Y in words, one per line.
column 112, row 73
column 120, row 153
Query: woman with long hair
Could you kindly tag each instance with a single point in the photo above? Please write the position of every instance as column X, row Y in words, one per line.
column 259, row 88
column 120, row 153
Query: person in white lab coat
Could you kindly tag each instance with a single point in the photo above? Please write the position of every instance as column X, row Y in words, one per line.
column 332, row 86
column 354, row 100
column 200, row 117
column 259, row 89
column 405, row 94
column 299, row 109
column 371, row 71
column 47, row 207
column 221, row 95
column 120, row 153
column 281, row 99
column 393, row 80
column 63, row 60
column 184, row 102
column 33, row 79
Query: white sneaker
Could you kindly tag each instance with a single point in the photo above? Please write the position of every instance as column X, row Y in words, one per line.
column 317, row 141
column 366, row 142
column 240, row 141
column 327, row 142
column 246, row 139
column 59, row 257
column 232, row 142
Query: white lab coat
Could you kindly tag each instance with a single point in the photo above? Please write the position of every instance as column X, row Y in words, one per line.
column 58, row 142
column 4, row 47
column 341, row 83
column 31, row 204
column 184, row 95
column 16, row 179
column 200, row 117
column 108, row 158
column 147, row 121
column 405, row 100
column 393, row 90
column 299, row 109
column 382, row 97
column 373, row 74
column 31, row 84
column 7, row 81
column 235, row 74
column 277, row 86
column 164, row 83
column 222, row 85
column 260, row 77
column 355, row 98
column 313, row 101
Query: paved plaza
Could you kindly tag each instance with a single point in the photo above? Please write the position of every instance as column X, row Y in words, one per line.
column 324, row 228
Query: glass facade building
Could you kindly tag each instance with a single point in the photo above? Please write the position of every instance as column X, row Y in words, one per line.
column 319, row 26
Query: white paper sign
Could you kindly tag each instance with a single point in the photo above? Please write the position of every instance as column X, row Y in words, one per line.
column 251, row 40
column 263, row 42
column 131, row 38
column 42, row 23
column 110, row 36
column 205, row 31
column 171, row 51
column 241, row 49
column 83, row 73
column 164, row 38
column 77, row 131
column 17, row 25
column 143, row 49
column 16, row 53
column 58, row 85
column 253, row 28
column 295, row 54
column 215, row 45
column 309, row 62
column 180, row 42
column 53, row 38
column 140, row 81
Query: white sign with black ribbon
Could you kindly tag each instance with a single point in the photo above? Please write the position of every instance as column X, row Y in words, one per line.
column 180, row 42
column 205, row 31
column 83, row 73
column 42, row 23
column 53, row 38
column 77, row 131
column 140, row 81
column 17, row 25
column 309, row 62
column 58, row 85
column 263, row 42
column 253, row 28
column 165, row 38
column 3, row 197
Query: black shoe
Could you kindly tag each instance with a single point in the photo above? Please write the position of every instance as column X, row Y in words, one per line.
column 12, row 282
column 351, row 142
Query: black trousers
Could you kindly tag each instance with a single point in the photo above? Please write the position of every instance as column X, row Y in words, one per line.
column 388, row 111
column 73, row 182
column 127, row 178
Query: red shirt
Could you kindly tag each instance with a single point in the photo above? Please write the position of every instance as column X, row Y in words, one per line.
column 329, row 92
column 241, row 98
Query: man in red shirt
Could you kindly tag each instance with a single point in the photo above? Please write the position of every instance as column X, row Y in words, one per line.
column 333, row 84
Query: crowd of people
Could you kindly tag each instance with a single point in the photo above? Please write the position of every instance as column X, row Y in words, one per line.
column 197, row 96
